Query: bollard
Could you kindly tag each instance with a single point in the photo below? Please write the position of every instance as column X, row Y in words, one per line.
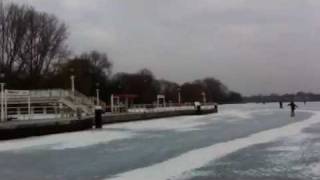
column 199, row 109
column 197, row 106
column 216, row 108
column 98, row 117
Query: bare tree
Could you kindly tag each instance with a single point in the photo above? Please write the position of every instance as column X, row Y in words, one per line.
column 31, row 42
column 99, row 60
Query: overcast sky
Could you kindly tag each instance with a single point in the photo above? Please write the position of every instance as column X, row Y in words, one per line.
column 253, row 46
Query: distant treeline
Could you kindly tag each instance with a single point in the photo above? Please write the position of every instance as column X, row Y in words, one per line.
column 300, row 96
column 34, row 55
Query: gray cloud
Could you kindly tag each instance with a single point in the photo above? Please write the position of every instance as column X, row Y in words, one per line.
column 254, row 46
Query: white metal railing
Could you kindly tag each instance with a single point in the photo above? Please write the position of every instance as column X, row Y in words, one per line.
column 49, row 93
column 160, row 109
column 81, row 98
column 48, row 103
column 44, row 102
column 40, row 112
column 145, row 108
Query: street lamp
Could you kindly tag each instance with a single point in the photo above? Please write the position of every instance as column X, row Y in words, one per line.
column 179, row 96
column 2, row 84
column 72, row 77
column 204, row 99
column 97, row 91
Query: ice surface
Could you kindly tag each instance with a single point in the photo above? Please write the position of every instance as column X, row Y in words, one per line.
column 109, row 133
column 183, row 123
column 121, row 131
column 189, row 123
column 177, row 166
column 157, row 149
column 116, row 132
column 315, row 169
column 65, row 140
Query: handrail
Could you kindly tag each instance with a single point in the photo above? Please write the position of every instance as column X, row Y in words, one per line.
column 174, row 107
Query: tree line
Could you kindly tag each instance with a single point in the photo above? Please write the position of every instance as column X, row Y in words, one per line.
column 35, row 55
column 299, row 96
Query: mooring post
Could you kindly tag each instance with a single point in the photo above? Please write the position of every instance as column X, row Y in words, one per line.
column 98, row 117
column 199, row 109
column 197, row 106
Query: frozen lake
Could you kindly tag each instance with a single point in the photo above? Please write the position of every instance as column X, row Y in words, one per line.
column 243, row 142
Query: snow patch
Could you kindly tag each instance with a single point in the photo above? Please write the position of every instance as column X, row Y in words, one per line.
column 239, row 114
column 315, row 169
column 110, row 133
column 285, row 148
column 183, row 123
column 65, row 140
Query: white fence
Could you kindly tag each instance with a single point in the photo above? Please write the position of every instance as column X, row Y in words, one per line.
column 145, row 108
column 37, row 104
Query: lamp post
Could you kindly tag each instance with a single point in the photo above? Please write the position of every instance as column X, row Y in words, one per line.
column 72, row 77
column 204, row 99
column 97, row 91
column 2, row 84
column 179, row 96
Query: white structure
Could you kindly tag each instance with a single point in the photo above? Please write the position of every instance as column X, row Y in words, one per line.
column 121, row 102
column 23, row 96
column 72, row 84
column 98, row 97
column 64, row 103
column 115, row 103
column 161, row 100
column 204, row 98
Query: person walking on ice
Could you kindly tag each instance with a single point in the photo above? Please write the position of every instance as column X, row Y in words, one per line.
column 280, row 104
column 293, row 107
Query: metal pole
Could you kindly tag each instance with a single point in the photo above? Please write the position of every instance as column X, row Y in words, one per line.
column 111, row 102
column 2, row 102
column 5, row 105
column 204, row 97
column 98, row 100
column 29, row 106
column 72, row 84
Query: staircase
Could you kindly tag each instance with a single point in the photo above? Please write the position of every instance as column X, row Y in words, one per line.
column 78, row 101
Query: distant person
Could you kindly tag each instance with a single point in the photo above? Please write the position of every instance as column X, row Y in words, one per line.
column 280, row 104
column 293, row 107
